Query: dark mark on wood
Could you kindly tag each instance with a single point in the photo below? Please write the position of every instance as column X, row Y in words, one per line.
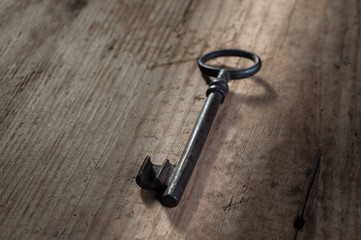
column 76, row 5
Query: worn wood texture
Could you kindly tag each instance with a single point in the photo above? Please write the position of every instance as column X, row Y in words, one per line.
column 89, row 88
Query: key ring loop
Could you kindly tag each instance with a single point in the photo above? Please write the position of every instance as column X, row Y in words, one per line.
column 234, row 73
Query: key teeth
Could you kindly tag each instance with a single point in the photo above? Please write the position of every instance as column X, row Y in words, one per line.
column 154, row 177
column 146, row 174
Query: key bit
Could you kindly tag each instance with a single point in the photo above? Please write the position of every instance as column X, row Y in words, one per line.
column 169, row 179
column 154, row 177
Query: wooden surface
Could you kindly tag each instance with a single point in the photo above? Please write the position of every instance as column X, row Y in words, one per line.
column 89, row 88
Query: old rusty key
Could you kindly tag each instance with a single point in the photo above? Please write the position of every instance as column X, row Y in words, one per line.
column 171, row 180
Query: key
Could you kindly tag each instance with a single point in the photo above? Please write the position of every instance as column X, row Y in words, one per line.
column 171, row 180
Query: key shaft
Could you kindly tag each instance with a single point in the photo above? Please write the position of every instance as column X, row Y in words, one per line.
column 181, row 174
column 174, row 179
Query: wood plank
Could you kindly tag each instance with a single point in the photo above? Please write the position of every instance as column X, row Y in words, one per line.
column 89, row 88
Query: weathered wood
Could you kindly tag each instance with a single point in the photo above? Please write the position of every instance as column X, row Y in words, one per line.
column 89, row 88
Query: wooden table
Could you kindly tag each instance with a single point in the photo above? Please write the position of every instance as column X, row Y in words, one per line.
column 89, row 88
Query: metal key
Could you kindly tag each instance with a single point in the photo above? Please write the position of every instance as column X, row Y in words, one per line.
column 169, row 179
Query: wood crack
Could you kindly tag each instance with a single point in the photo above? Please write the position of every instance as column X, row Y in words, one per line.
column 299, row 221
column 179, row 26
column 231, row 203
column 170, row 63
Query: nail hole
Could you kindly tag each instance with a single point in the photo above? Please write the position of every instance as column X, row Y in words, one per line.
column 298, row 222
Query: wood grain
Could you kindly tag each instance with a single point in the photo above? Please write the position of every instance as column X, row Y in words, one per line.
column 89, row 88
